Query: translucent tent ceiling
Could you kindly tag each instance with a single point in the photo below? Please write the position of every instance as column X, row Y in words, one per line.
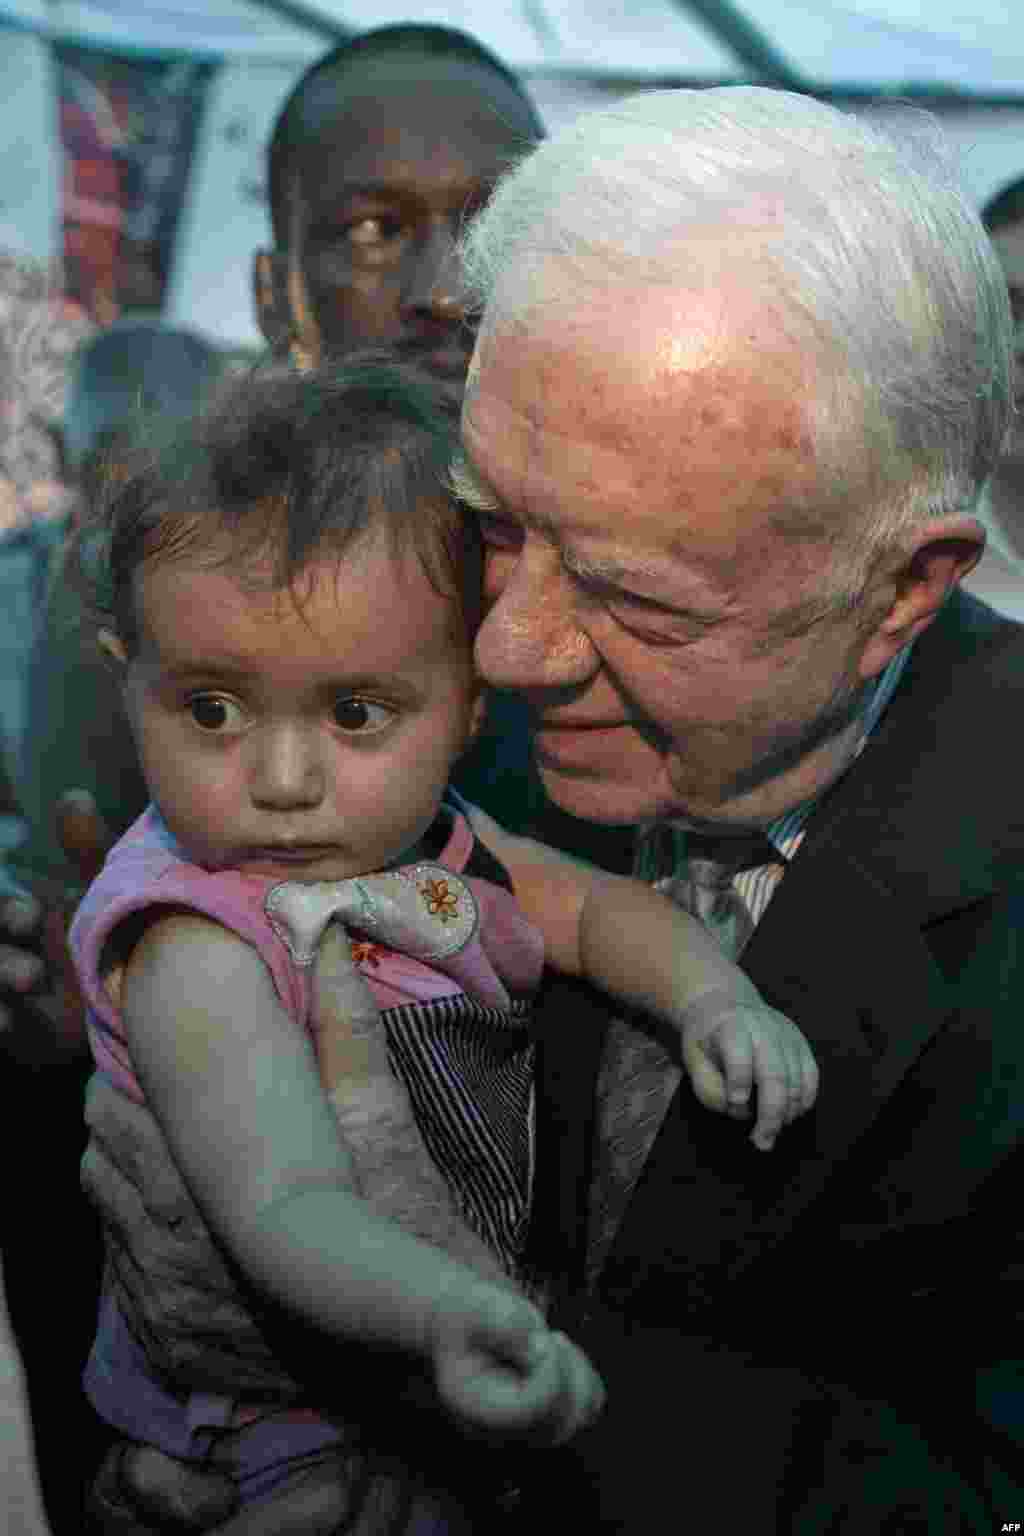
column 972, row 45
column 964, row 57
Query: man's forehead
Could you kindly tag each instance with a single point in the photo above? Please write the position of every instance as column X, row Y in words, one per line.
column 708, row 444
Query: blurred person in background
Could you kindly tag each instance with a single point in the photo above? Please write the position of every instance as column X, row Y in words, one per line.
column 39, row 331
column 999, row 578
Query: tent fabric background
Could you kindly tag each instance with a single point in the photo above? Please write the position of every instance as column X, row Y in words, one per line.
column 240, row 58
column 973, row 45
column 127, row 129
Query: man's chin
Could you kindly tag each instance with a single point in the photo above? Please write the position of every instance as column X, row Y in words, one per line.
column 592, row 797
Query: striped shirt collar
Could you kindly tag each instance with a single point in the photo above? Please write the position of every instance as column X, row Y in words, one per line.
column 661, row 846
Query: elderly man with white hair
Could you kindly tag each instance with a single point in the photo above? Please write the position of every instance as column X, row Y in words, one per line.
column 743, row 368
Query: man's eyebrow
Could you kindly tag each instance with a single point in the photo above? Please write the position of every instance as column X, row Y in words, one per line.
column 473, row 491
column 372, row 188
column 605, row 569
column 468, row 486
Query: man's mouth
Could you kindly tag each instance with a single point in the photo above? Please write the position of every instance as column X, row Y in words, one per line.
column 546, row 725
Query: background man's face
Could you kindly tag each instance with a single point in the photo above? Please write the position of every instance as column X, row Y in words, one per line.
column 404, row 149
column 643, row 598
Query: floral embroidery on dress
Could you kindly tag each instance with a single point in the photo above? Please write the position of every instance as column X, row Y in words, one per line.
column 441, row 901
column 365, row 952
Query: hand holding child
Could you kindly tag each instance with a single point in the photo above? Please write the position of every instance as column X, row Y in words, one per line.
column 732, row 1045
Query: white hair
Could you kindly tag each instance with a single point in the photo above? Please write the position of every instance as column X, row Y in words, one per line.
column 866, row 241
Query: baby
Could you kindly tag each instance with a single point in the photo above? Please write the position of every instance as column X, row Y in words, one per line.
column 290, row 593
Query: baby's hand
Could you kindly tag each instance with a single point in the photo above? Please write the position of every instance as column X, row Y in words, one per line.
column 732, row 1045
column 499, row 1369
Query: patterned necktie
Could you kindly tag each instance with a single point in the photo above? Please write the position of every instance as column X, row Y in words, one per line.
column 705, row 885
column 638, row 1078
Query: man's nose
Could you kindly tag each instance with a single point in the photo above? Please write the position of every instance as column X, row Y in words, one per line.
column 287, row 768
column 435, row 290
column 532, row 636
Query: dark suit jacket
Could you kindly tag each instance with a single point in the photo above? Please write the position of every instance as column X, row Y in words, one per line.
column 828, row 1337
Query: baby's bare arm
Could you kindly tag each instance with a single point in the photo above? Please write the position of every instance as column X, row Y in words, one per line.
column 236, row 1089
column 622, row 935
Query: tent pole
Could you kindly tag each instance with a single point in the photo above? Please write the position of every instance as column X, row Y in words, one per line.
column 746, row 40
column 310, row 17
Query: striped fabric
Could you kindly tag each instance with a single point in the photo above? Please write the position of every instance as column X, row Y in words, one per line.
column 468, row 1070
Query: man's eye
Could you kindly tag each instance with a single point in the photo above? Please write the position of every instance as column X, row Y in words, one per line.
column 361, row 716
column 368, row 232
column 212, row 712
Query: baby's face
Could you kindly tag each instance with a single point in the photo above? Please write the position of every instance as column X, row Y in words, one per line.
column 306, row 745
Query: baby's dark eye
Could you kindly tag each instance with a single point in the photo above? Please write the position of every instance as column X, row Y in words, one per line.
column 211, row 712
column 361, row 715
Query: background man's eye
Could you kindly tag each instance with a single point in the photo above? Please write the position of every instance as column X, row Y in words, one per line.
column 365, row 232
column 372, row 231
column 361, row 715
column 210, row 712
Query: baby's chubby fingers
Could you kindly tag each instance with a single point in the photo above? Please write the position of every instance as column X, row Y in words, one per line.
column 560, row 1394
column 538, row 1391
column 734, row 1047
column 810, row 1078
column 721, row 1064
column 775, row 1082
column 582, row 1395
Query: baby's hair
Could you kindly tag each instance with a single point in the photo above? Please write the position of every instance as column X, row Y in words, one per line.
column 287, row 467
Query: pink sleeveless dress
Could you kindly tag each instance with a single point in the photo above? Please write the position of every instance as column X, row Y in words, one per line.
column 458, row 1038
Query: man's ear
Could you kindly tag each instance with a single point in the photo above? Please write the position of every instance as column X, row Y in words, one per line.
column 270, row 300
column 942, row 554
column 283, row 310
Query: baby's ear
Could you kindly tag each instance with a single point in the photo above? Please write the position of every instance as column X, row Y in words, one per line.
column 113, row 646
